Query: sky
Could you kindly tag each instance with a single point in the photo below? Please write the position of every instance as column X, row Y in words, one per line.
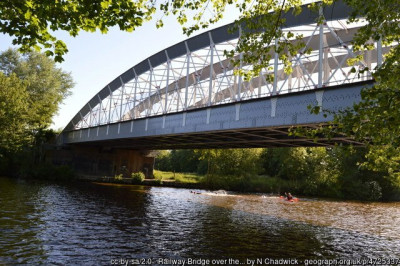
column 95, row 59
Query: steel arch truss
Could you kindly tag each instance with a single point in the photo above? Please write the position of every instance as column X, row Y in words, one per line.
column 200, row 76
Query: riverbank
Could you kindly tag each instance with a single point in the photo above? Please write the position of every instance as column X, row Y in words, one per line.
column 249, row 184
column 146, row 182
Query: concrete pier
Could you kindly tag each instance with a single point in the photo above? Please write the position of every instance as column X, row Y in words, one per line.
column 100, row 161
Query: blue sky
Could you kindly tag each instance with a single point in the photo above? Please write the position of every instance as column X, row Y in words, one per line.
column 95, row 59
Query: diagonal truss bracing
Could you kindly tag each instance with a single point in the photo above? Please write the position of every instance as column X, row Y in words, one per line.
column 199, row 75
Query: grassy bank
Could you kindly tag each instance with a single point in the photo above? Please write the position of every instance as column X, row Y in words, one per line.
column 263, row 184
column 277, row 185
column 178, row 177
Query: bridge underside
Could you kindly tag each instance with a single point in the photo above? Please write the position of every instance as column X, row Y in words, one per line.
column 240, row 138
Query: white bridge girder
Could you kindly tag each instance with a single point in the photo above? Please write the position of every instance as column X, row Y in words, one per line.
column 204, row 77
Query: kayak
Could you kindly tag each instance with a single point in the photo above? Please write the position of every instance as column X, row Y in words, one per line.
column 292, row 200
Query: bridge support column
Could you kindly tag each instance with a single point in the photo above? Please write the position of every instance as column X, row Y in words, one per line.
column 100, row 161
column 126, row 162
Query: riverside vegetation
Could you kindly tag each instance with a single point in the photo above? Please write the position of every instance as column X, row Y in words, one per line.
column 336, row 172
column 31, row 90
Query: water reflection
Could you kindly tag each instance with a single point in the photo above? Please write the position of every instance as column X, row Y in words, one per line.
column 83, row 223
column 19, row 223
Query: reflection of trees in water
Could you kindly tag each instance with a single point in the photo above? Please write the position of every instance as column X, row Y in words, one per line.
column 19, row 220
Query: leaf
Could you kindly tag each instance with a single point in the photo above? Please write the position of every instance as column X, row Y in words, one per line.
column 159, row 24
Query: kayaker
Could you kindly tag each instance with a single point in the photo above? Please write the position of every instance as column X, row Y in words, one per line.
column 289, row 196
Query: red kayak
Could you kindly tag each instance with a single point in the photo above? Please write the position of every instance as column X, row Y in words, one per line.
column 292, row 200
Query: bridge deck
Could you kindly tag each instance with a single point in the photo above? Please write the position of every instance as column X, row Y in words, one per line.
column 254, row 123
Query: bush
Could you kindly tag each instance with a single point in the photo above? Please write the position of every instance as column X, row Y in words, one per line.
column 118, row 177
column 158, row 181
column 138, row 177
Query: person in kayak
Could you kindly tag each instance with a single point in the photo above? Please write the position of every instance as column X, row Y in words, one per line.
column 288, row 196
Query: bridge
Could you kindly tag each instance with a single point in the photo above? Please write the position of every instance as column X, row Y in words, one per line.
column 187, row 95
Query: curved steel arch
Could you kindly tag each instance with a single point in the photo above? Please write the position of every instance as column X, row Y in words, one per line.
column 216, row 36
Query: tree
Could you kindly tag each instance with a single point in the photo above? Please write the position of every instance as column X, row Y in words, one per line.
column 32, row 87
column 376, row 118
column 234, row 162
column 184, row 161
column 375, row 121
column 14, row 112
column 32, row 22
column 46, row 84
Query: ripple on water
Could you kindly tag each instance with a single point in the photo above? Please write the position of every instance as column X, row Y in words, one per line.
column 93, row 223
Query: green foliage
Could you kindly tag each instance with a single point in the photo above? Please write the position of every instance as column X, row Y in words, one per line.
column 187, row 178
column 163, row 161
column 336, row 172
column 157, row 175
column 46, row 85
column 385, row 159
column 292, row 163
column 119, row 177
column 32, row 88
column 138, row 177
column 32, row 22
column 179, row 177
column 14, row 113
column 238, row 162
column 269, row 184
column 374, row 190
column 184, row 161
column 158, row 182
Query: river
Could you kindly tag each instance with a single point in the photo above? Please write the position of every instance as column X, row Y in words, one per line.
column 102, row 224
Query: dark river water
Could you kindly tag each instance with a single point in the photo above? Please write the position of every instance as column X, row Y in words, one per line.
column 103, row 224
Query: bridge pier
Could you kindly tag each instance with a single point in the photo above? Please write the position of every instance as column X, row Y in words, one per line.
column 103, row 161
